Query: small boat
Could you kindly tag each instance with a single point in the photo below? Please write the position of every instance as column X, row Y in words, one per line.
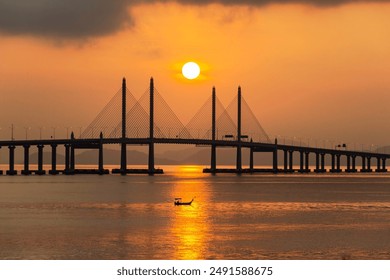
column 178, row 201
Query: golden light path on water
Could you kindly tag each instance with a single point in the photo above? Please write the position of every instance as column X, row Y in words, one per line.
column 189, row 225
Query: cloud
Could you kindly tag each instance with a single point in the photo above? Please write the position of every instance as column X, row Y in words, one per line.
column 63, row 19
column 80, row 19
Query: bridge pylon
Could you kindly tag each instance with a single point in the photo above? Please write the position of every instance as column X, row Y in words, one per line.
column 123, row 169
column 213, row 165
column 151, row 129
column 239, row 158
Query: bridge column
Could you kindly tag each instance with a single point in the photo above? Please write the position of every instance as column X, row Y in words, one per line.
column 213, row 164
column 384, row 165
column 40, row 170
column 333, row 169
column 338, row 169
column 26, row 170
column 348, row 164
column 238, row 158
column 353, row 164
column 378, row 165
column 123, row 169
column 317, row 163
column 53, row 170
column 363, row 169
column 151, row 170
column 285, row 160
column 291, row 161
column 72, row 164
column 67, row 160
column 1, row 171
column 307, row 169
column 101, row 168
column 123, row 159
column 251, row 165
column 323, row 163
column 11, row 170
column 275, row 158
column 369, row 164
column 301, row 163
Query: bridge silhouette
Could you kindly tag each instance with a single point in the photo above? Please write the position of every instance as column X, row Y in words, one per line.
column 149, row 121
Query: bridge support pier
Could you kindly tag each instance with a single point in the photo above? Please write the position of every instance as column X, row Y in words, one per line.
column 251, row 165
column 1, row 171
column 72, row 158
column 213, row 165
column 363, row 169
column 307, row 168
column 323, row 163
column 384, row 165
column 317, row 170
column 378, row 165
column 275, row 159
column 333, row 167
column 11, row 170
column 53, row 170
column 238, row 160
column 338, row 168
column 353, row 164
column 101, row 167
column 301, row 162
column 123, row 168
column 348, row 169
column 151, row 169
column 67, row 159
column 285, row 169
column 290, row 161
column 369, row 164
column 26, row 170
column 40, row 170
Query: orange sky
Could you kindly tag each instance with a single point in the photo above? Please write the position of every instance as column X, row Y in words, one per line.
column 307, row 72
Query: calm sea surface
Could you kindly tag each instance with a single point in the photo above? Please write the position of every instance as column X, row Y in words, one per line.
column 232, row 217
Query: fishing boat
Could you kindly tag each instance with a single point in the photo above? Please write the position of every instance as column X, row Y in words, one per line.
column 178, row 201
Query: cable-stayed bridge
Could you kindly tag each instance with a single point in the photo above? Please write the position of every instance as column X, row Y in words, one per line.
column 150, row 121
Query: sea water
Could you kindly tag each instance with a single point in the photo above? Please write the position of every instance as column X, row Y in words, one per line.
column 262, row 216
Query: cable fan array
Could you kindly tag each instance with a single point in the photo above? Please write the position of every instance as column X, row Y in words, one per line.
column 168, row 125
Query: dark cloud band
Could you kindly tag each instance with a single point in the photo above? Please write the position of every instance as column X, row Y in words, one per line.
column 59, row 18
column 89, row 18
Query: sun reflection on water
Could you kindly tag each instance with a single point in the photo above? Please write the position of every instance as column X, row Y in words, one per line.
column 190, row 225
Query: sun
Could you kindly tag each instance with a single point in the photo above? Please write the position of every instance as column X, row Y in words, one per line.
column 190, row 70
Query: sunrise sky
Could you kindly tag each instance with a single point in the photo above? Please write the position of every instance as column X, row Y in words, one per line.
column 309, row 69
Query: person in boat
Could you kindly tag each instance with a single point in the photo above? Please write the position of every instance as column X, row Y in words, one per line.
column 178, row 201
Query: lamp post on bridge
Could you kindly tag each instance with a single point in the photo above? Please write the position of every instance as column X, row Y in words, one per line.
column 79, row 131
column 67, row 131
column 40, row 132
column 26, row 130
column 12, row 132
column 54, row 132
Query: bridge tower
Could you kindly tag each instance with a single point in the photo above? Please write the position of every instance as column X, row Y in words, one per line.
column 213, row 125
column 239, row 161
column 123, row 144
column 151, row 129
